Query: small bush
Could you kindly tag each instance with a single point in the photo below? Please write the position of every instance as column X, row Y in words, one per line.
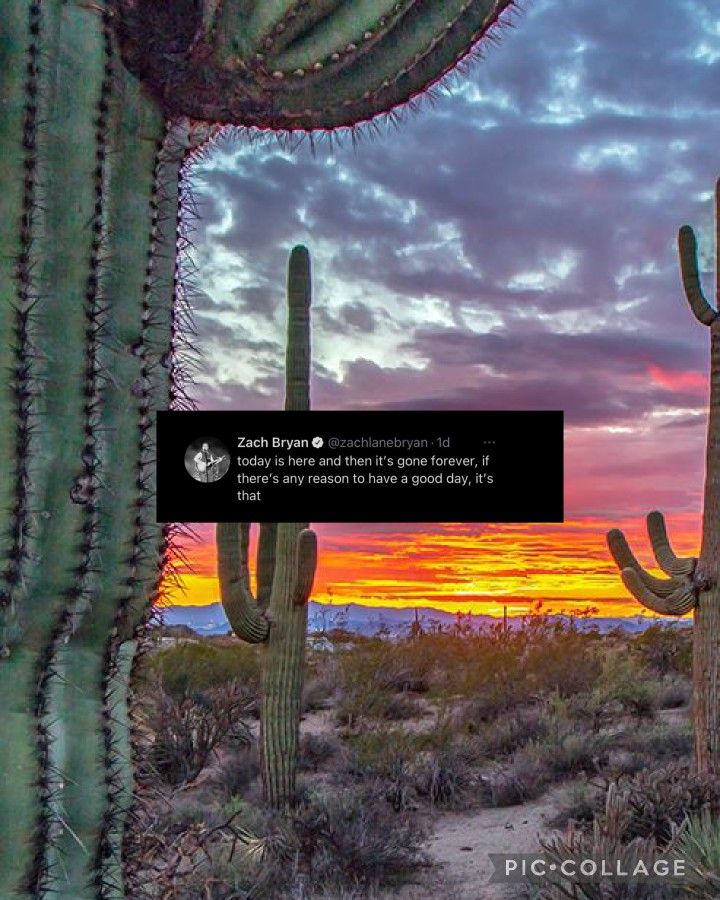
column 525, row 780
column 673, row 693
column 658, row 802
column 239, row 771
column 316, row 750
column 352, row 838
column 626, row 682
column 191, row 668
column 579, row 805
column 657, row 743
column 666, row 649
column 187, row 731
column 446, row 779
column 507, row 734
column 361, row 703
column 565, row 753
column 318, row 694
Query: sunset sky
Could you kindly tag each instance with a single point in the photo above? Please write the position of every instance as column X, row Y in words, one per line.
column 511, row 246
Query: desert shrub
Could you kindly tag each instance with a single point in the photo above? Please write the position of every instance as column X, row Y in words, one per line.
column 595, row 710
column 186, row 731
column 525, row 779
column 625, row 681
column 360, row 702
column 352, row 838
column 609, row 838
column 656, row 743
column 560, row 658
column 657, row 803
column 579, row 805
column 373, row 752
column 317, row 750
column 565, row 751
column 507, row 734
column 193, row 667
column 387, row 758
column 401, row 707
column 239, row 771
column 673, row 693
column 318, row 693
column 178, row 814
column 446, row 779
column 483, row 708
column 667, row 649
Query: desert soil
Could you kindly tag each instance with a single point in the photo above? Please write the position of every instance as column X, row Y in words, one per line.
column 460, row 842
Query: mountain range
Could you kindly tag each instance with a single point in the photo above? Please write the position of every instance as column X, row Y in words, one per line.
column 368, row 620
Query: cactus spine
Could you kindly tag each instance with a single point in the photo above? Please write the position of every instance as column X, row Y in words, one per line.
column 286, row 562
column 693, row 584
column 96, row 97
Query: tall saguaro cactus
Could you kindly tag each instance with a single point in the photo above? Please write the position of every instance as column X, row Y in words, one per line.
column 693, row 584
column 286, row 560
column 101, row 104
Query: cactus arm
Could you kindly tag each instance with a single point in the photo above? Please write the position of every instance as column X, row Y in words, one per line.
column 267, row 540
column 289, row 65
column 677, row 603
column 306, row 566
column 667, row 596
column 242, row 611
column 687, row 248
column 666, row 558
column 625, row 559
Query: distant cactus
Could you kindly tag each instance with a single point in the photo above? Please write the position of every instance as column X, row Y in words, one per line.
column 103, row 104
column 286, row 559
column 694, row 584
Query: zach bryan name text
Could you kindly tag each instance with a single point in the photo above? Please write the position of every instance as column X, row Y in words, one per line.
column 277, row 442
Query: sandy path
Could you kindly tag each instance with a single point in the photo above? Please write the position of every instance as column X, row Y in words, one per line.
column 460, row 845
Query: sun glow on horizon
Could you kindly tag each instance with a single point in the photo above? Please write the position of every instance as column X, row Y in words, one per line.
column 461, row 568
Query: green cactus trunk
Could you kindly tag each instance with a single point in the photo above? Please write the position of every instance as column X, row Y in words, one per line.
column 706, row 632
column 694, row 584
column 85, row 322
column 285, row 571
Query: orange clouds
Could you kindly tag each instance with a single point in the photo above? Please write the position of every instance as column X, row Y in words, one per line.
column 470, row 568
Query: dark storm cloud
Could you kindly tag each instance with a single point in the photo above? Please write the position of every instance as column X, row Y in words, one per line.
column 619, row 352
column 350, row 317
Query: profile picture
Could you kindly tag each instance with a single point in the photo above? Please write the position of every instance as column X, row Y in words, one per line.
column 207, row 459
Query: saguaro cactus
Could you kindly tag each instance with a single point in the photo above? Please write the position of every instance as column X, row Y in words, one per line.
column 97, row 99
column 286, row 559
column 693, row 584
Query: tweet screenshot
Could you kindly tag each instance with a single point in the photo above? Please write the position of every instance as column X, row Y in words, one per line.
column 360, row 466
